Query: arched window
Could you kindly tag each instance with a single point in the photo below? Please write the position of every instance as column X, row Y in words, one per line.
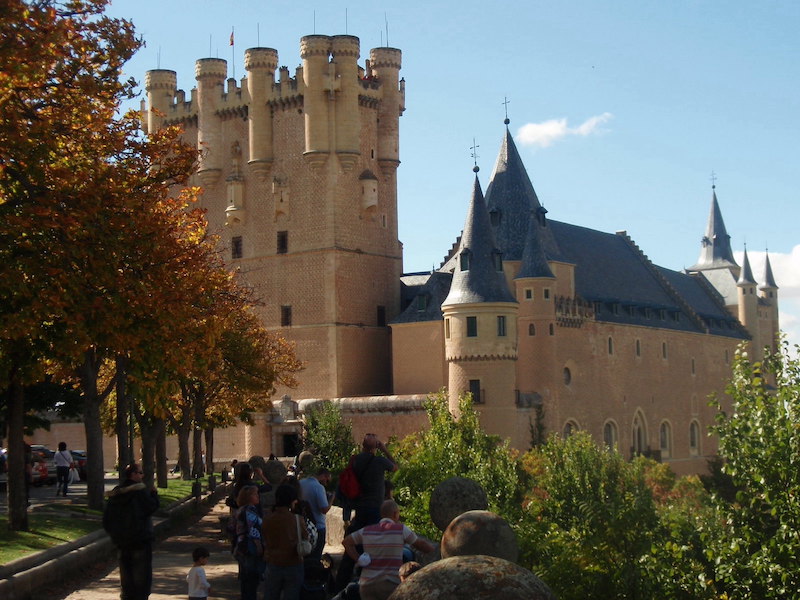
column 639, row 434
column 610, row 436
column 694, row 438
column 531, row 329
column 610, row 346
column 552, row 329
column 567, row 376
column 570, row 427
column 665, row 439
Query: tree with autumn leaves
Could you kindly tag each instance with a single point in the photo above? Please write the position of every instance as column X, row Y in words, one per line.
column 108, row 276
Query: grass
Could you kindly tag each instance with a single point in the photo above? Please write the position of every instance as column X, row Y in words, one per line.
column 54, row 524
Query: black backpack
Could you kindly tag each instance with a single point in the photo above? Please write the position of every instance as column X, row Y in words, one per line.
column 122, row 519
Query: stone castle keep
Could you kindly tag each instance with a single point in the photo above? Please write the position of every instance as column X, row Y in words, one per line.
column 551, row 326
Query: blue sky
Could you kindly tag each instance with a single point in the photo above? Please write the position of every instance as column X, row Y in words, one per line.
column 621, row 110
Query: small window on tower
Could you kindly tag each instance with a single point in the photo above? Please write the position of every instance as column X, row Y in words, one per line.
column 286, row 316
column 497, row 260
column 528, row 294
column 283, row 242
column 501, row 326
column 447, row 329
column 546, row 293
column 381, row 316
column 236, row 247
column 472, row 326
column 422, row 302
column 475, row 390
column 465, row 259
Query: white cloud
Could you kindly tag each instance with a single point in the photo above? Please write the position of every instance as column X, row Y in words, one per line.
column 544, row 134
column 786, row 269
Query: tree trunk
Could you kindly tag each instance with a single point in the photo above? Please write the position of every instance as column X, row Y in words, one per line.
column 161, row 452
column 124, row 449
column 197, row 438
column 209, row 435
column 17, row 473
column 95, row 474
column 148, row 432
column 182, row 430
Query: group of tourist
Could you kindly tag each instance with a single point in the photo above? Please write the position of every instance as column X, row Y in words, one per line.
column 278, row 534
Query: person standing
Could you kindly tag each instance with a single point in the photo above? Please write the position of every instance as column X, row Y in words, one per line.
column 249, row 547
column 371, row 473
column 128, row 520
column 313, row 491
column 383, row 544
column 282, row 531
column 199, row 588
column 63, row 460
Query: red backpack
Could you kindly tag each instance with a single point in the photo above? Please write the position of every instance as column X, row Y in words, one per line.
column 348, row 481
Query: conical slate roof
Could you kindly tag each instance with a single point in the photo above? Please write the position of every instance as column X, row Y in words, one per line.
column 510, row 198
column 768, row 278
column 746, row 276
column 534, row 259
column 716, row 249
column 481, row 280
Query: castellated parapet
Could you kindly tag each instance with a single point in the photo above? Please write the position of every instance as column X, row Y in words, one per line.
column 160, row 86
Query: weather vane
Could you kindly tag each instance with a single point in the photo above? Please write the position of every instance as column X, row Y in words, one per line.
column 474, row 155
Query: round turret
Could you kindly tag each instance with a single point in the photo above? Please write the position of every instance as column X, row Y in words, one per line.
column 345, row 52
column 210, row 74
column 160, row 86
column 345, row 45
column 385, row 66
column 314, row 50
column 265, row 59
column 211, row 68
column 385, row 58
column 260, row 64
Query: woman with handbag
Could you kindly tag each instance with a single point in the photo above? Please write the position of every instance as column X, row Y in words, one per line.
column 64, row 463
column 285, row 545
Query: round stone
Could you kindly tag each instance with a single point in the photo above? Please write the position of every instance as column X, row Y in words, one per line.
column 274, row 471
column 473, row 578
column 480, row 532
column 454, row 496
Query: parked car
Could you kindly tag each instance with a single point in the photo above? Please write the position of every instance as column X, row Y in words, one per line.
column 79, row 457
column 44, row 467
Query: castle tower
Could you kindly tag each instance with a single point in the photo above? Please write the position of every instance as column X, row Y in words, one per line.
column 210, row 74
column 301, row 157
column 716, row 252
column 534, row 284
column 480, row 319
column 160, row 86
column 768, row 292
column 260, row 64
column 748, row 303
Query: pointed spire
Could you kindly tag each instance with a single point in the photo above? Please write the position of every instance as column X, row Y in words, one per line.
column 716, row 249
column 510, row 198
column 478, row 275
column 534, row 259
column 767, row 278
column 746, row 278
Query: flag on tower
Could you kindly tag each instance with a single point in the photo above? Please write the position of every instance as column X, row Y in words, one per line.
column 231, row 37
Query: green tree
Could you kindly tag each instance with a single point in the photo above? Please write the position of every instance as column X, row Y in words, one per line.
column 590, row 520
column 455, row 447
column 329, row 437
column 757, row 541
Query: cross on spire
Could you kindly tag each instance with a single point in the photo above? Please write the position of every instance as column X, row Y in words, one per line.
column 506, row 101
column 474, row 156
column 713, row 180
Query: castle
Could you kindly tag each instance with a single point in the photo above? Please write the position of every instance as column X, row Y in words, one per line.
column 552, row 327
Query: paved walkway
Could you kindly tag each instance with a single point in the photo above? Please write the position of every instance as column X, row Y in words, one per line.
column 172, row 559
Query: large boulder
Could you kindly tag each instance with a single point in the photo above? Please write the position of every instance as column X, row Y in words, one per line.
column 473, row 578
column 480, row 532
column 455, row 496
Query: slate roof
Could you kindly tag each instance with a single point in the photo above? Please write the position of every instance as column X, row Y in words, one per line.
column 746, row 276
column 768, row 278
column 611, row 272
column 716, row 249
column 434, row 289
column 482, row 281
column 510, row 198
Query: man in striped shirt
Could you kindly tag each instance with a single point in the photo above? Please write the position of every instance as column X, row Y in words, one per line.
column 383, row 543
